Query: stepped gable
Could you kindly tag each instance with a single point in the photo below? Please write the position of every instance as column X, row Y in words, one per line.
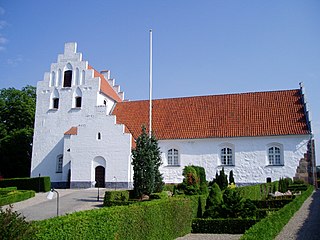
column 230, row 115
column 105, row 87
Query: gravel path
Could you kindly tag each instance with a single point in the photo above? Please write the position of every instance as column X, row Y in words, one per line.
column 305, row 224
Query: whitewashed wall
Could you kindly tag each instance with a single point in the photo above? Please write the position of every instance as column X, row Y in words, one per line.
column 51, row 124
column 251, row 158
column 112, row 152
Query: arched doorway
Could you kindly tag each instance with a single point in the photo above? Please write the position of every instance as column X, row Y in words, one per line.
column 100, row 176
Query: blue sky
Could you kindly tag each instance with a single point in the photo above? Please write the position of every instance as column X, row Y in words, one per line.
column 200, row 47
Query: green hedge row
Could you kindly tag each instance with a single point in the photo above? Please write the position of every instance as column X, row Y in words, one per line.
column 198, row 204
column 275, row 203
column 38, row 183
column 227, row 226
column 257, row 192
column 270, row 227
column 16, row 196
column 297, row 187
column 158, row 219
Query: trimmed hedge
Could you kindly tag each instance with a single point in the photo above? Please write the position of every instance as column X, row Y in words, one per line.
column 228, row 226
column 16, row 196
column 257, row 192
column 297, row 187
column 270, row 227
column 158, row 219
column 161, row 195
column 198, row 204
column 116, row 198
column 28, row 183
column 276, row 203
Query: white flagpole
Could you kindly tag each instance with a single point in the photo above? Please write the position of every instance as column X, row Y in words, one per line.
column 150, row 85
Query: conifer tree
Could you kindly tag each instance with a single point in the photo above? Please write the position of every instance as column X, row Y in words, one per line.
column 146, row 161
column 231, row 178
column 156, row 156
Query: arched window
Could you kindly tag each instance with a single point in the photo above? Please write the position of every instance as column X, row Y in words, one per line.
column 59, row 163
column 67, row 78
column 274, row 155
column 173, row 157
column 226, row 155
column 77, row 98
column 54, row 104
column 99, row 136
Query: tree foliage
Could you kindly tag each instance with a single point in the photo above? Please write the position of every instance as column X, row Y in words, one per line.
column 17, row 110
column 213, row 202
column 146, row 161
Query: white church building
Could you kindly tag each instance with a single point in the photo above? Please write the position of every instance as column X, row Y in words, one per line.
column 85, row 131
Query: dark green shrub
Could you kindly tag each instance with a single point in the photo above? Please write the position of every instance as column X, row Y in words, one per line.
column 231, row 178
column 15, row 196
column 222, row 226
column 197, row 202
column 201, row 173
column 269, row 227
column 158, row 219
column 234, row 206
column 36, row 183
column 213, row 202
column 14, row 226
column 120, row 195
column 221, row 179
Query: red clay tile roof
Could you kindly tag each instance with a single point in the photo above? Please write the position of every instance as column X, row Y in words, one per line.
column 105, row 86
column 230, row 115
column 72, row 131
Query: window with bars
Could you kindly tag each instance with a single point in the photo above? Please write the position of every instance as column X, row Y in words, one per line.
column 173, row 157
column 274, row 155
column 226, row 156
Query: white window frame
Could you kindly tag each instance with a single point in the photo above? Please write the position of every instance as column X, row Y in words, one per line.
column 59, row 164
column 275, row 154
column 227, row 154
column 173, row 157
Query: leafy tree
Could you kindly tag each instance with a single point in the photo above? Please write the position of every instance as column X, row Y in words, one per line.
column 17, row 110
column 146, row 161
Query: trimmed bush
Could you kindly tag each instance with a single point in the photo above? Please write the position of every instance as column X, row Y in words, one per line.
column 28, row 183
column 162, row 195
column 158, row 219
column 276, row 203
column 259, row 191
column 297, row 187
column 198, row 203
column 116, row 198
column 15, row 196
column 270, row 227
column 227, row 226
